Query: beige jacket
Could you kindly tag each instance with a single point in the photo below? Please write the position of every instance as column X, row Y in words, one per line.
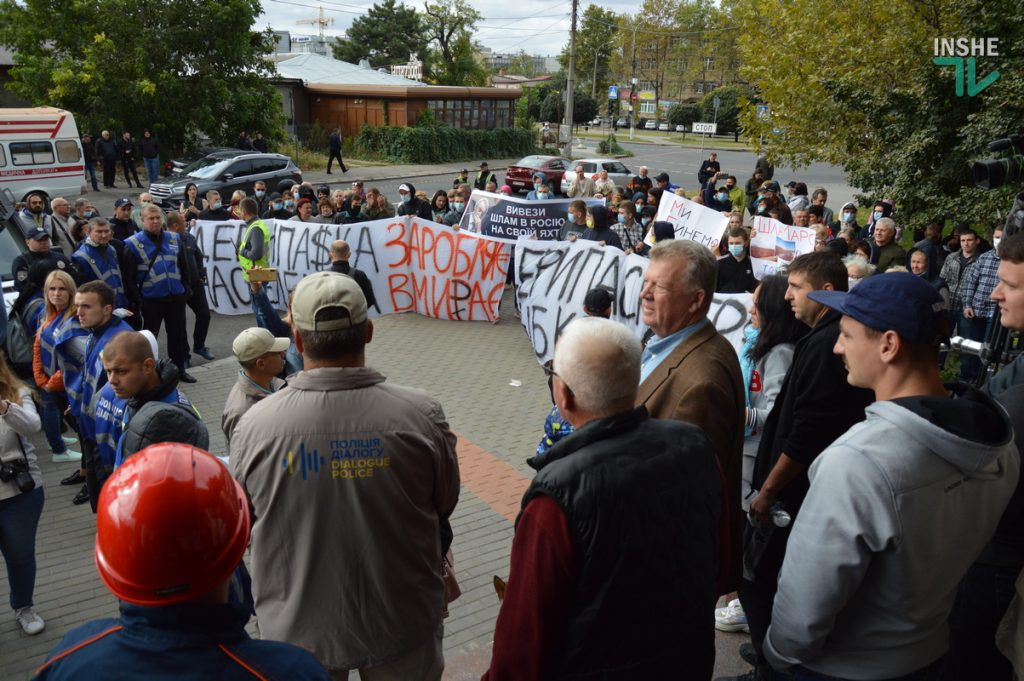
column 349, row 478
column 244, row 393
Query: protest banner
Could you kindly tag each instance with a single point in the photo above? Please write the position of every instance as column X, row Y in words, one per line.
column 553, row 278
column 509, row 217
column 773, row 245
column 414, row 265
column 692, row 220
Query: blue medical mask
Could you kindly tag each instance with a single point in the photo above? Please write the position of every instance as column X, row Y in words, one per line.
column 289, row 204
column 542, row 195
column 736, row 250
column 645, row 221
column 570, row 218
column 877, row 215
column 760, row 209
column 276, row 205
column 848, row 217
column 216, row 205
column 723, row 197
column 260, row 193
column 639, row 206
column 458, row 205
column 89, row 213
column 406, row 198
column 621, row 218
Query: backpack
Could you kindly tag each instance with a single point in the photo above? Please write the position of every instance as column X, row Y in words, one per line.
column 18, row 343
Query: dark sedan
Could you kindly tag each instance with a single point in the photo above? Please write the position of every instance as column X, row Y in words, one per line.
column 520, row 175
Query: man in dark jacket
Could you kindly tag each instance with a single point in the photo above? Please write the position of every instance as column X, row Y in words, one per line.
column 598, row 229
column 276, row 209
column 176, row 617
column 334, row 151
column 340, row 253
column 149, row 147
column 412, row 204
column 89, row 157
column 196, row 276
column 570, row 589
column 815, row 406
column 106, row 149
column 215, row 209
column 39, row 250
column 121, row 221
column 126, row 152
column 709, row 168
column 483, row 177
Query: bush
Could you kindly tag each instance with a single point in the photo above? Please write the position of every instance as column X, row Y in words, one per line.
column 611, row 146
column 440, row 143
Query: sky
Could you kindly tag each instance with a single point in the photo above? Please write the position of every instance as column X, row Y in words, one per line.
column 535, row 26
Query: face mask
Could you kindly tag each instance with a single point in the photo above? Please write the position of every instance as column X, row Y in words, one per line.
column 852, row 281
column 590, row 222
column 645, row 221
column 216, row 205
column 848, row 217
column 89, row 213
column 406, row 198
column 736, row 250
column 723, row 197
column 621, row 218
column 536, row 187
column 260, row 193
column 760, row 196
column 276, row 206
column 289, row 204
column 877, row 215
column 542, row 195
column 760, row 209
column 639, row 206
column 995, row 242
column 458, row 205
column 570, row 218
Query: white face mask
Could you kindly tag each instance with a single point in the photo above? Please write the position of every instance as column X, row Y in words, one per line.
column 995, row 242
column 852, row 281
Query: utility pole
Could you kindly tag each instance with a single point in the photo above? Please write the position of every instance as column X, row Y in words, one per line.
column 570, row 83
column 593, row 85
column 632, row 88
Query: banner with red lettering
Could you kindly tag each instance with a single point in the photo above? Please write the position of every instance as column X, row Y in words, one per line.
column 773, row 245
column 414, row 265
column 692, row 220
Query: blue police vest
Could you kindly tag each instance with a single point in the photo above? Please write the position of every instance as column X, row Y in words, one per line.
column 48, row 343
column 94, row 376
column 100, row 264
column 108, row 422
column 158, row 275
column 69, row 363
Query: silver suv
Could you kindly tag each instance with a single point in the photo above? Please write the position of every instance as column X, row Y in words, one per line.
column 226, row 171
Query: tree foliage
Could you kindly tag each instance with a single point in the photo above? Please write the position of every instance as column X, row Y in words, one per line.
column 180, row 69
column 388, row 35
column 683, row 114
column 595, row 42
column 875, row 103
column 449, row 25
column 731, row 99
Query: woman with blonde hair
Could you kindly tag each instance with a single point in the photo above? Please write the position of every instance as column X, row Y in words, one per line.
column 58, row 300
column 21, row 495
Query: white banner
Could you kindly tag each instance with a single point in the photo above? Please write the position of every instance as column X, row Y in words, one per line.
column 692, row 220
column 414, row 265
column 773, row 245
column 553, row 279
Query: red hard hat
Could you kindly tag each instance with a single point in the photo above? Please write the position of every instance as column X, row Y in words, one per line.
column 172, row 525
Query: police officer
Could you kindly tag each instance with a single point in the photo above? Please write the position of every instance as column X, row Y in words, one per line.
column 155, row 276
column 254, row 251
column 38, row 242
column 197, row 282
column 99, row 258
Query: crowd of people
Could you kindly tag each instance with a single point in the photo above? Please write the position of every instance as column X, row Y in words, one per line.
column 864, row 514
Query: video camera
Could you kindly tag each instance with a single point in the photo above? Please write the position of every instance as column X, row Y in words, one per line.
column 995, row 173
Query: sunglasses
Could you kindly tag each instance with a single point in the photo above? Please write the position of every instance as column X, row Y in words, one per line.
column 551, row 373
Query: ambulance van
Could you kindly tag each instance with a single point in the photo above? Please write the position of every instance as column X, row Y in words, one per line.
column 40, row 152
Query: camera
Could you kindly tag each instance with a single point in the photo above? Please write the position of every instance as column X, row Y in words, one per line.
column 995, row 173
column 17, row 471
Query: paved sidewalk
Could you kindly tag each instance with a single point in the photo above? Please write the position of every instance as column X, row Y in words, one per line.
column 471, row 368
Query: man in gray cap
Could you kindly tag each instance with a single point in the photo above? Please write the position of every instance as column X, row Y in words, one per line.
column 262, row 358
column 352, row 481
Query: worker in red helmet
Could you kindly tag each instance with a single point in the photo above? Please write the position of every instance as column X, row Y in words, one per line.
column 171, row 527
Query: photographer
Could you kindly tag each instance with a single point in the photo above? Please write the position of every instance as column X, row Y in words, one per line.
column 21, row 495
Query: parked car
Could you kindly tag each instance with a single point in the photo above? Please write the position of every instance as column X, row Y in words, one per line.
column 175, row 166
column 617, row 171
column 663, row 127
column 651, row 125
column 622, row 123
column 226, row 171
column 680, row 128
column 519, row 176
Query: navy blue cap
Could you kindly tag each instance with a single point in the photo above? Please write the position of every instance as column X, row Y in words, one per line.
column 896, row 301
column 38, row 235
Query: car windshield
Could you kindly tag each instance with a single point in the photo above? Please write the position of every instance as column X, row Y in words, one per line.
column 205, row 168
column 532, row 162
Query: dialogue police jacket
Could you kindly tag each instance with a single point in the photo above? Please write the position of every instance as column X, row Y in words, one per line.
column 350, row 479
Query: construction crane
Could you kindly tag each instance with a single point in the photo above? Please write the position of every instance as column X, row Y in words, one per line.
column 322, row 21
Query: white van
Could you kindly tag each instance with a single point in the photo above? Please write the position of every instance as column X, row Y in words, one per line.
column 40, row 152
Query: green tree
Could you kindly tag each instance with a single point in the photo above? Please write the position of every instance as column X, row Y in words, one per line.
column 521, row 64
column 448, row 25
column 181, row 69
column 731, row 99
column 875, row 103
column 584, row 107
column 388, row 35
column 683, row 114
column 595, row 42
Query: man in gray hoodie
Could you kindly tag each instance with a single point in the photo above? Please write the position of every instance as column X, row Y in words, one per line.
column 899, row 506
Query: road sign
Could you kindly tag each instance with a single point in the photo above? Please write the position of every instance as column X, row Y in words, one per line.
column 717, row 101
column 613, row 92
column 762, row 111
column 707, row 128
column 635, row 96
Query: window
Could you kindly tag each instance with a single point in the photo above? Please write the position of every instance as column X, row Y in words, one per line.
column 264, row 165
column 67, row 151
column 240, row 168
column 3, row 157
column 616, row 167
column 31, row 153
column 647, row 106
column 709, row 63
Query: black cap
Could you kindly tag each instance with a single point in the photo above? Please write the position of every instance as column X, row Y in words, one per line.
column 791, row 184
column 38, row 235
column 597, row 301
column 661, row 177
column 483, row 164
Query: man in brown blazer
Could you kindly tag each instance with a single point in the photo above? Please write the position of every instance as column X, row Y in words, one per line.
column 689, row 372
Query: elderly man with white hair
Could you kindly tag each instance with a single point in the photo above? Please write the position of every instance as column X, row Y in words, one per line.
column 620, row 524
